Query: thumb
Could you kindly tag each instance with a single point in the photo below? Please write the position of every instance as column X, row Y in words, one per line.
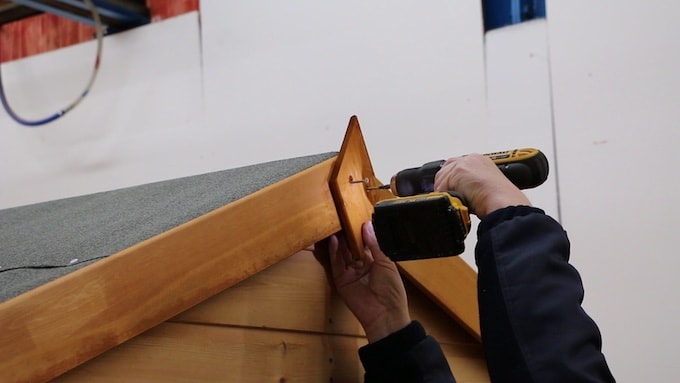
column 371, row 241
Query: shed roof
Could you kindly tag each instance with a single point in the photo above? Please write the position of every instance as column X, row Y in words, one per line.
column 44, row 241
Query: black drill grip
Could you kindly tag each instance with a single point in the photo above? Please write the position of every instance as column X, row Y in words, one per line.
column 525, row 168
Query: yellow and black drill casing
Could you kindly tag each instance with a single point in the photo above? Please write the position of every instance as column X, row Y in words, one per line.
column 420, row 223
column 423, row 226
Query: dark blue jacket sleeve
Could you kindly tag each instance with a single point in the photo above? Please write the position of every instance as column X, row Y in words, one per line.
column 533, row 326
column 406, row 356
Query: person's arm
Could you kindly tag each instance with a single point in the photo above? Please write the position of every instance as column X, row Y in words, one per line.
column 408, row 355
column 533, row 327
column 399, row 350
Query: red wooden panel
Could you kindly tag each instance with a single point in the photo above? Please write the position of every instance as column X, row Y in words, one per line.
column 46, row 32
column 163, row 9
column 38, row 34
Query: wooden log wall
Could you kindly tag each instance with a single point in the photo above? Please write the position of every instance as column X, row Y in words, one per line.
column 47, row 32
column 284, row 324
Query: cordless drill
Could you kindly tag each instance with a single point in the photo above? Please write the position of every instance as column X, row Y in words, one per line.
column 421, row 223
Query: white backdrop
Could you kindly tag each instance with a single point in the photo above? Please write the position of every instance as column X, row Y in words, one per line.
column 283, row 78
column 249, row 82
column 140, row 123
column 616, row 88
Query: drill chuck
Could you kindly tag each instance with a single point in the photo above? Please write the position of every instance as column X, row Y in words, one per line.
column 415, row 180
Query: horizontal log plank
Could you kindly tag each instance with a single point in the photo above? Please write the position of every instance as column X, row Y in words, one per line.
column 223, row 338
column 174, row 352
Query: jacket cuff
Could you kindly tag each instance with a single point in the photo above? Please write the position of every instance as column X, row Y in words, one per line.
column 378, row 355
column 498, row 216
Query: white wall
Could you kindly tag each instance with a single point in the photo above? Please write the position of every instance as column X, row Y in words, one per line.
column 283, row 78
column 518, row 99
column 616, row 89
column 263, row 80
column 270, row 80
column 140, row 123
column 606, row 73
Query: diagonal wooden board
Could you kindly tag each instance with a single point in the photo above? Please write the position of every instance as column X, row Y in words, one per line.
column 450, row 282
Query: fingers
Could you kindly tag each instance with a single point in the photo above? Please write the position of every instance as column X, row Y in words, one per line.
column 371, row 242
column 479, row 180
column 335, row 255
column 341, row 259
column 443, row 177
column 368, row 234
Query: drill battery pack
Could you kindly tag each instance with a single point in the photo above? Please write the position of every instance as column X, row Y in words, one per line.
column 423, row 226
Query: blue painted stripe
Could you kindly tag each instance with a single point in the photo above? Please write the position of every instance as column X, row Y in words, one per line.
column 501, row 13
column 126, row 18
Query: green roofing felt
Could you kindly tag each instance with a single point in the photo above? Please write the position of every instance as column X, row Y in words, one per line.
column 44, row 241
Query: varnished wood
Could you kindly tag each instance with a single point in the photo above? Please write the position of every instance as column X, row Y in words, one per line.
column 450, row 282
column 59, row 325
column 293, row 294
column 351, row 176
column 174, row 352
column 286, row 317
column 266, row 300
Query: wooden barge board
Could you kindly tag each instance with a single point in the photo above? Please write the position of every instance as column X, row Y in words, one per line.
column 59, row 325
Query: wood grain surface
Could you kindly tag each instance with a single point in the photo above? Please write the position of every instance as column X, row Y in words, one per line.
column 284, row 324
column 62, row 324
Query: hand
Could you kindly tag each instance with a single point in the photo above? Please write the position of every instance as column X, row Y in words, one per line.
column 372, row 288
column 478, row 179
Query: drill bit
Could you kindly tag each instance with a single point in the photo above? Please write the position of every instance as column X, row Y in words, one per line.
column 377, row 187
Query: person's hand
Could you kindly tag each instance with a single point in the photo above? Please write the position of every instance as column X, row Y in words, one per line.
column 371, row 288
column 478, row 179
